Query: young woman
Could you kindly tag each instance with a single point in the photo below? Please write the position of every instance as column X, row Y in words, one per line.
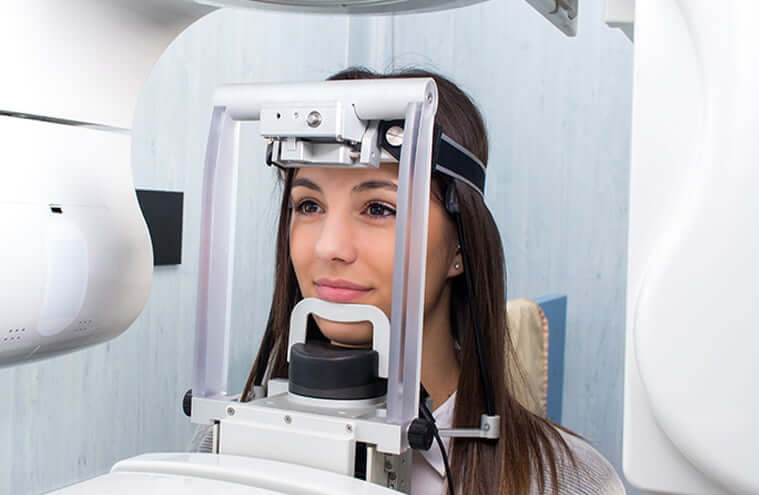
column 335, row 242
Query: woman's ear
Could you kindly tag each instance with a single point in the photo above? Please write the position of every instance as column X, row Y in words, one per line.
column 457, row 267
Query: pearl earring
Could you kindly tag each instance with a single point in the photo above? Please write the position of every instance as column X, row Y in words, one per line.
column 457, row 266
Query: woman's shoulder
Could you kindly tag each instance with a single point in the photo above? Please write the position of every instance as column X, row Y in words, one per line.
column 589, row 474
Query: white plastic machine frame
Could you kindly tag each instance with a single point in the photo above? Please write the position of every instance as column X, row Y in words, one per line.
column 690, row 418
column 75, row 259
column 285, row 427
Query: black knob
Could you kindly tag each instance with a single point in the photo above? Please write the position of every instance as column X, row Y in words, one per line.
column 187, row 403
column 420, row 434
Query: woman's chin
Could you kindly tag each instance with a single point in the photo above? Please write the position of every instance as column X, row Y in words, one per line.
column 346, row 334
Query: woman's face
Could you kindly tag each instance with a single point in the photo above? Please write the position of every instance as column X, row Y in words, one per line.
column 342, row 237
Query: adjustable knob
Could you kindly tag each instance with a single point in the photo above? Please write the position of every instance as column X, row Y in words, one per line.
column 187, row 403
column 420, row 434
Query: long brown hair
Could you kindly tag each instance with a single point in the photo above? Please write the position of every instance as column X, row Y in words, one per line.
column 530, row 447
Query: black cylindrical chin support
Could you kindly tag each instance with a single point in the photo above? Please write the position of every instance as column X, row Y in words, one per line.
column 324, row 371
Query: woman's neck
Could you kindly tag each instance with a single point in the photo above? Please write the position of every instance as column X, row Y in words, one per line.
column 440, row 368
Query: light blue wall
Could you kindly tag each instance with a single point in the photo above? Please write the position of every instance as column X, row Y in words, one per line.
column 558, row 111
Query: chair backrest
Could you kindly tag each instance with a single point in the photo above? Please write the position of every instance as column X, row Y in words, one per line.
column 538, row 333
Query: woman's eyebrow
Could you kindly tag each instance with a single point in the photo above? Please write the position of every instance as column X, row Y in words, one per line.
column 303, row 182
column 375, row 184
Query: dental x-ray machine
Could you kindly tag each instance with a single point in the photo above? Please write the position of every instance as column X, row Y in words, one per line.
column 349, row 412
column 82, row 273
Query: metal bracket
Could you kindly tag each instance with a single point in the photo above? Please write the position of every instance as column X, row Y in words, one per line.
column 561, row 13
column 490, row 427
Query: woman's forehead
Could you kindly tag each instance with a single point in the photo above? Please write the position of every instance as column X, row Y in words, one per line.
column 387, row 171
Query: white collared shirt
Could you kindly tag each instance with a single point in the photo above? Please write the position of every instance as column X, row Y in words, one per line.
column 427, row 469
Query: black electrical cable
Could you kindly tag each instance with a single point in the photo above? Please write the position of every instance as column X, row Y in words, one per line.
column 427, row 415
column 452, row 206
column 445, row 460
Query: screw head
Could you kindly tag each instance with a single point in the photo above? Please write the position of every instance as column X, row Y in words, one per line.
column 314, row 119
column 394, row 136
column 230, row 411
column 348, row 428
column 288, row 420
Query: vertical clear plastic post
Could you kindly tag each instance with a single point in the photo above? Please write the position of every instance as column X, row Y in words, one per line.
column 216, row 264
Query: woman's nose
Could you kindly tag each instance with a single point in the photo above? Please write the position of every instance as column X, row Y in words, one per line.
column 336, row 241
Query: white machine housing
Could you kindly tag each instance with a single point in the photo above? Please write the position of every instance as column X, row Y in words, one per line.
column 201, row 474
column 355, row 7
column 690, row 414
column 76, row 261
column 563, row 14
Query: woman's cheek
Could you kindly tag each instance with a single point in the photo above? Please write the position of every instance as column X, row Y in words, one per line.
column 379, row 258
column 301, row 256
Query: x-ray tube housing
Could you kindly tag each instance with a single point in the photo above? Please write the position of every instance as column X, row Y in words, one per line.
column 75, row 258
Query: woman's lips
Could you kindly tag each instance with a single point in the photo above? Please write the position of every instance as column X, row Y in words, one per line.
column 340, row 291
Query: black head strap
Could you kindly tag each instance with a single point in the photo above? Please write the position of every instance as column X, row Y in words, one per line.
column 448, row 156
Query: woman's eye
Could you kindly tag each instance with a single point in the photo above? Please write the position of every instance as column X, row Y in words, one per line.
column 308, row 207
column 380, row 210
